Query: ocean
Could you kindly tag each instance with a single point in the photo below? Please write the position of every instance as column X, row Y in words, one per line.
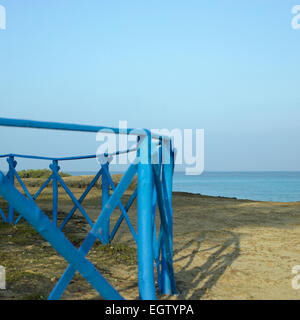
column 261, row 186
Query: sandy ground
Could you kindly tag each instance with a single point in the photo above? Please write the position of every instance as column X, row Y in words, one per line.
column 223, row 249
column 234, row 249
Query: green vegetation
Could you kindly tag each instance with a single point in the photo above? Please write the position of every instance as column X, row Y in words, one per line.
column 40, row 173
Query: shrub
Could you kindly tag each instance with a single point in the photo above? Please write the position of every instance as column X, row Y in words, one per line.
column 39, row 173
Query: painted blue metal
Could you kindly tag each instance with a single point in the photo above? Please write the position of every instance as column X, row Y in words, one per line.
column 23, row 187
column 6, row 122
column 121, row 218
column 12, row 164
column 98, row 227
column 3, row 215
column 83, row 196
column 154, row 190
column 69, row 192
column 120, row 205
column 91, row 156
column 18, row 219
column 145, row 232
column 105, row 197
column 42, row 188
column 156, row 244
column 55, row 168
column 167, row 182
column 167, row 271
column 15, row 173
column 32, row 213
column 27, row 192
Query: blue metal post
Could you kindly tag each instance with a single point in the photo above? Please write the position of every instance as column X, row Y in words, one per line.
column 156, row 243
column 105, row 197
column 167, row 172
column 11, row 161
column 145, row 231
column 55, row 168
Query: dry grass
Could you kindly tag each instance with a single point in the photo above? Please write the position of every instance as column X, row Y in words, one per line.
column 223, row 249
column 32, row 265
column 78, row 182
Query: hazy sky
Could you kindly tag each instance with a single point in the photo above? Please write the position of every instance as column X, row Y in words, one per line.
column 229, row 67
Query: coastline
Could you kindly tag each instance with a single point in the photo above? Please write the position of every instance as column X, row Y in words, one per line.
column 224, row 248
column 229, row 198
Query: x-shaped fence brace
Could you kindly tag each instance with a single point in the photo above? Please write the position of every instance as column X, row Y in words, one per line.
column 56, row 178
column 154, row 189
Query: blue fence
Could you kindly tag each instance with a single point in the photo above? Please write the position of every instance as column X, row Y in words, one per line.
column 154, row 167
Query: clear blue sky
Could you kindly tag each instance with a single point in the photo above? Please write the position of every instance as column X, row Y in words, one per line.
column 229, row 67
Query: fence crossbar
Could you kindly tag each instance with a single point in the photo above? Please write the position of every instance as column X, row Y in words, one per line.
column 91, row 237
column 82, row 197
column 9, row 122
column 3, row 215
column 120, row 205
column 36, row 195
column 21, row 182
column 45, row 184
column 121, row 218
column 34, row 215
column 73, row 198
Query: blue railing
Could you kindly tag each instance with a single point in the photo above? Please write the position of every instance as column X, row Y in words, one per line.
column 154, row 189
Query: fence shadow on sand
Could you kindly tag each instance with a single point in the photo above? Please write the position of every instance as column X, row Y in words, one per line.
column 196, row 274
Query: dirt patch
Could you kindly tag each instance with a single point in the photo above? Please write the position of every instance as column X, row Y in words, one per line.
column 223, row 249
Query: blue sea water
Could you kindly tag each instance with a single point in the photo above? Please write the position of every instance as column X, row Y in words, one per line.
column 262, row 186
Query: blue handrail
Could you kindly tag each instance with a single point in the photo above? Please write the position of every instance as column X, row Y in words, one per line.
column 154, row 188
column 7, row 122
